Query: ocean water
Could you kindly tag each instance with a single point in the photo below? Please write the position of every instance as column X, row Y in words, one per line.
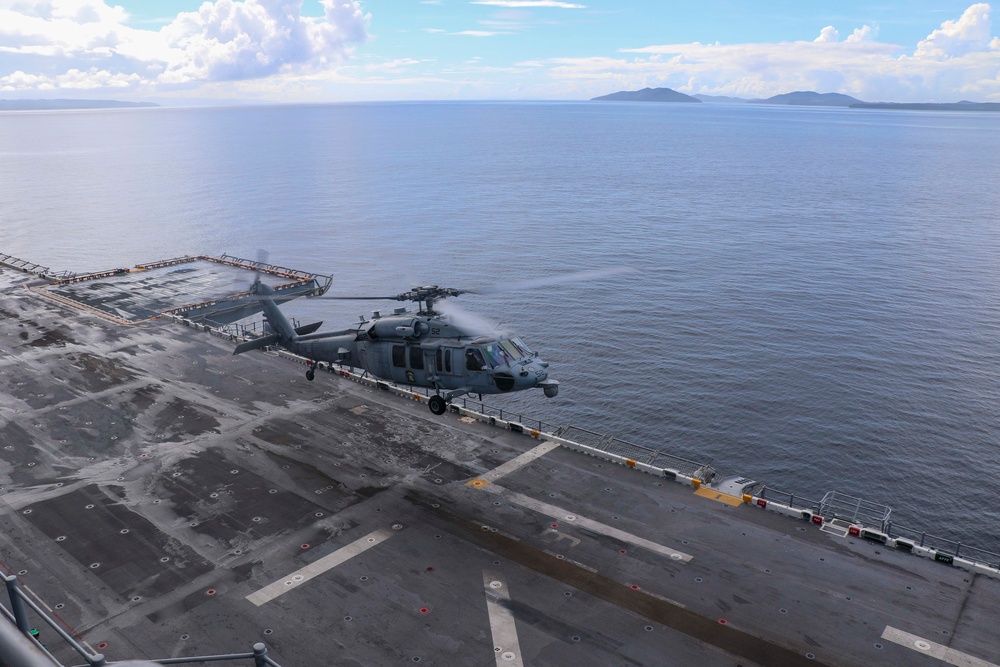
column 816, row 301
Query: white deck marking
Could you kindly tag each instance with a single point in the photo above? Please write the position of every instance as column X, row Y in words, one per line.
column 505, row 644
column 560, row 514
column 935, row 650
column 328, row 562
column 520, row 461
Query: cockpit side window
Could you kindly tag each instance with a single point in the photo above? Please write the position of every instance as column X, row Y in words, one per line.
column 519, row 344
column 474, row 360
column 511, row 349
column 497, row 356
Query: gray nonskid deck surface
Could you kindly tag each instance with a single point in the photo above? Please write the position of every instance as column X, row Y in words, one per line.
column 166, row 498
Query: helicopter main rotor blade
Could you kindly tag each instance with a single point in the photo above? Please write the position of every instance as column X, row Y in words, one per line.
column 394, row 297
column 552, row 280
column 461, row 317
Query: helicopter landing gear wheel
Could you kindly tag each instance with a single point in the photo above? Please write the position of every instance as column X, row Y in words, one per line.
column 311, row 373
column 437, row 404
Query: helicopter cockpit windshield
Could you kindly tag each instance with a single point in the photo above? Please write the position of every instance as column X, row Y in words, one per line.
column 518, row 345
column 505, row 352
column 496, row 355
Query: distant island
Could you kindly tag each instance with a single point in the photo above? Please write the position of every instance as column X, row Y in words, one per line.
column 49, row 105
column 647, row 95
column 721, row 99
column 929, row 106
column 798, row 98
column 808, row 98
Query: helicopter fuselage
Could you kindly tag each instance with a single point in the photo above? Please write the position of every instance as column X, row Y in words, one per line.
column 424, row 349
column 428, row 351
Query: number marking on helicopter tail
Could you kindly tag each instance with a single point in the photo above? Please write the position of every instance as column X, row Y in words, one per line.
column 512, row 465
column 328, row 562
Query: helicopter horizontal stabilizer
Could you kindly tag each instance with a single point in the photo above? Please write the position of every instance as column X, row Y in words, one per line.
column 307, row 329
column 257, row 343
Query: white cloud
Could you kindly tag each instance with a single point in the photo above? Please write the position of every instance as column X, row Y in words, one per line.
column 476, row 33
column 959, row 60
column 85, row 44
column 862, row 34
column 828, row 34
column 969, row 33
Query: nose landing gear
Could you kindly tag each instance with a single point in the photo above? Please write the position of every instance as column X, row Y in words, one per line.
column 311, row 373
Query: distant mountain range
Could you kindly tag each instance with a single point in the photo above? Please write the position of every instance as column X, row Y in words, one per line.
column 808, row 98
column 798, row 98
column 648, row 95
column 43, row 105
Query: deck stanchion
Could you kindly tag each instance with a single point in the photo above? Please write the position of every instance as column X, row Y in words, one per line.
column 17, row 604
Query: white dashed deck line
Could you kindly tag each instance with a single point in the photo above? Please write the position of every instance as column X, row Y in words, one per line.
column 933, row 649
column 520, row 461
column 324, row 564
column 573, row 519
column 506, row 648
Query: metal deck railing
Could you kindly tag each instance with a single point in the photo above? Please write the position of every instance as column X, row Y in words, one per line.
column 640, row 453
column 859, row 511
column 20, row 645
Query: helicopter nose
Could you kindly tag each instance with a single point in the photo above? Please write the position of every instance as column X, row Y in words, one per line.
column 538, row 371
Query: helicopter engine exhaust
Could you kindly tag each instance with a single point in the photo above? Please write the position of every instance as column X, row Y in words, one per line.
column 414, row 330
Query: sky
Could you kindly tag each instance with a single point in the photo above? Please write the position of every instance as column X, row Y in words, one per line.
column 315, row 51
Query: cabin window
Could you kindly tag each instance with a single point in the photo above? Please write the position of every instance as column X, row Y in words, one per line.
column 416, row 358
column 474, row 360
column 399, row 356
column 447, row 361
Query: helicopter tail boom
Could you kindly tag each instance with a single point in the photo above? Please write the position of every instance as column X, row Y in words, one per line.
column 279, row 323
column 256, row 343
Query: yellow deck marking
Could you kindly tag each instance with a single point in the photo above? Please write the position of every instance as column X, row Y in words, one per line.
column 718, row 496
column 477, row 483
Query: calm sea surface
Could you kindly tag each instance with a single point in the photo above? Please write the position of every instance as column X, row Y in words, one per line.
column 818, row 297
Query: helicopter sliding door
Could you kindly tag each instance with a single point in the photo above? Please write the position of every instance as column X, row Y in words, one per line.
column 445, row 365
column 476, row 370
column 408, row 365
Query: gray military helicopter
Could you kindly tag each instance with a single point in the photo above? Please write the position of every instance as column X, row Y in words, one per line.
column 436, row 346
